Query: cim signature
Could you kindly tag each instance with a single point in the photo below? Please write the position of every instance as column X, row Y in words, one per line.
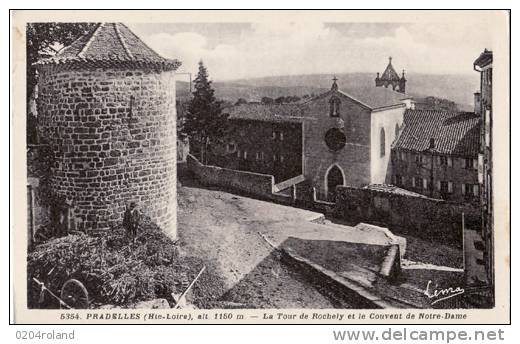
column 441, row 294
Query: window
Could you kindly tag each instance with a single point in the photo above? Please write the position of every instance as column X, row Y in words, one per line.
column 231, row 147
column 445, row 187
column 334, row 106
column 419, row 158
column 258, row 156
column 382, row 142
column 245, row 155
column 487, row 128
column 425, row 183
column 419, row 183
column 470, row 190
column 467, row 189
column 445, row 161
column 398, row 180
column 335, row 139
column 277, row 135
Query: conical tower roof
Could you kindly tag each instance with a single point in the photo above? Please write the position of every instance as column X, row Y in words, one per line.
column 110, row 44
column 390, row 74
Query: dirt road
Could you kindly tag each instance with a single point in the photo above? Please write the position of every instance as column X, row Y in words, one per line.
column 222, row 229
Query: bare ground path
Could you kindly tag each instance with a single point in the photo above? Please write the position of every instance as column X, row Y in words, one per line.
column 223, row 230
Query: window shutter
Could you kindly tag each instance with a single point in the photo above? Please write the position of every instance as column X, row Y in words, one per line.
column 450, row 187
column 475, row 189
column 413, row 182
column 463, row 189
column 450, row 161
column 425, row 183
column 475, row 164
column 439, row 185
column 438, row 161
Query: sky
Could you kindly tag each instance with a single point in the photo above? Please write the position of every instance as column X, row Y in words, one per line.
column 246, row 50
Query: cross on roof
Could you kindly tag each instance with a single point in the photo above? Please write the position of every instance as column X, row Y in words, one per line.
column 334, row 84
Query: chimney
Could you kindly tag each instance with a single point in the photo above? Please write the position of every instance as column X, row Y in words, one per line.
column 477, row 102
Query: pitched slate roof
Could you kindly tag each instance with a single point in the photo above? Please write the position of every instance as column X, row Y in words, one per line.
column 484, row 59
column 110, row 44
column 454, row 133
column 390, row 74
column 266, row 112
column 376, row 97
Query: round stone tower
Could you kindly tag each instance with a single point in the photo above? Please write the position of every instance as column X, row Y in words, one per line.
column 106, row 110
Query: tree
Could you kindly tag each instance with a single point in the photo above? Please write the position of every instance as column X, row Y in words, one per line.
column 267, row 100
column 241, row 101
column 205, row 122
column 44, row 40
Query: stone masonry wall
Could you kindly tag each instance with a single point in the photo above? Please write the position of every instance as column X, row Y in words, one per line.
column 420, row 216
column 113, row 136
column 247, row 182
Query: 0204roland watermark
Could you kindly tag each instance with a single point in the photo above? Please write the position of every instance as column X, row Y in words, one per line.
column 44, row 335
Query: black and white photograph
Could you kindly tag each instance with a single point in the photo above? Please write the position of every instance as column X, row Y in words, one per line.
column 263, row 164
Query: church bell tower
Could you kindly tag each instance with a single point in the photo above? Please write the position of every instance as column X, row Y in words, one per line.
column 390, row 78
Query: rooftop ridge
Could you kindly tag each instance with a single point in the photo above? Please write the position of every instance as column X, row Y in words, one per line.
column 123, row 43
column 90, row 40
column 108, row 45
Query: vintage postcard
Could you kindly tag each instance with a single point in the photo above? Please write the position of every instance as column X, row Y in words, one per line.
column 297, row 167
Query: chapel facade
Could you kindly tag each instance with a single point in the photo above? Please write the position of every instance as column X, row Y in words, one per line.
column 335, row 138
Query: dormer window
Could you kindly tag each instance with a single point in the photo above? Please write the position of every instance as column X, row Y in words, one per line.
column 334, row 106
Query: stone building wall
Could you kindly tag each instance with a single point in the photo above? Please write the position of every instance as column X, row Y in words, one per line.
column 113, row 136
column 353, row 159
column 410, row 164
column 391, row 121
column 265, row 147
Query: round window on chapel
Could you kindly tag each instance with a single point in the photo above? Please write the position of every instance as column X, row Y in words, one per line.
column 335, row 139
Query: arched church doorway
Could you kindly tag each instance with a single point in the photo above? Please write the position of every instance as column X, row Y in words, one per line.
column 334, row 178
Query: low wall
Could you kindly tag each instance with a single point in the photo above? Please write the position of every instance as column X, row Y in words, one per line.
column 248, row 182
column 427, row 218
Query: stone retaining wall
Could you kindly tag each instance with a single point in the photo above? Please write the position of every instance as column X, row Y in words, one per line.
column 248, row 182
column 420, row 216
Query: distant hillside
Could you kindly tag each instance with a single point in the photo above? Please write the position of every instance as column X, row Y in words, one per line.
column 457, row 88
column 231, row 91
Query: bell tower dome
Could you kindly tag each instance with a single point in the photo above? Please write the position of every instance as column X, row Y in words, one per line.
column 391, row 78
